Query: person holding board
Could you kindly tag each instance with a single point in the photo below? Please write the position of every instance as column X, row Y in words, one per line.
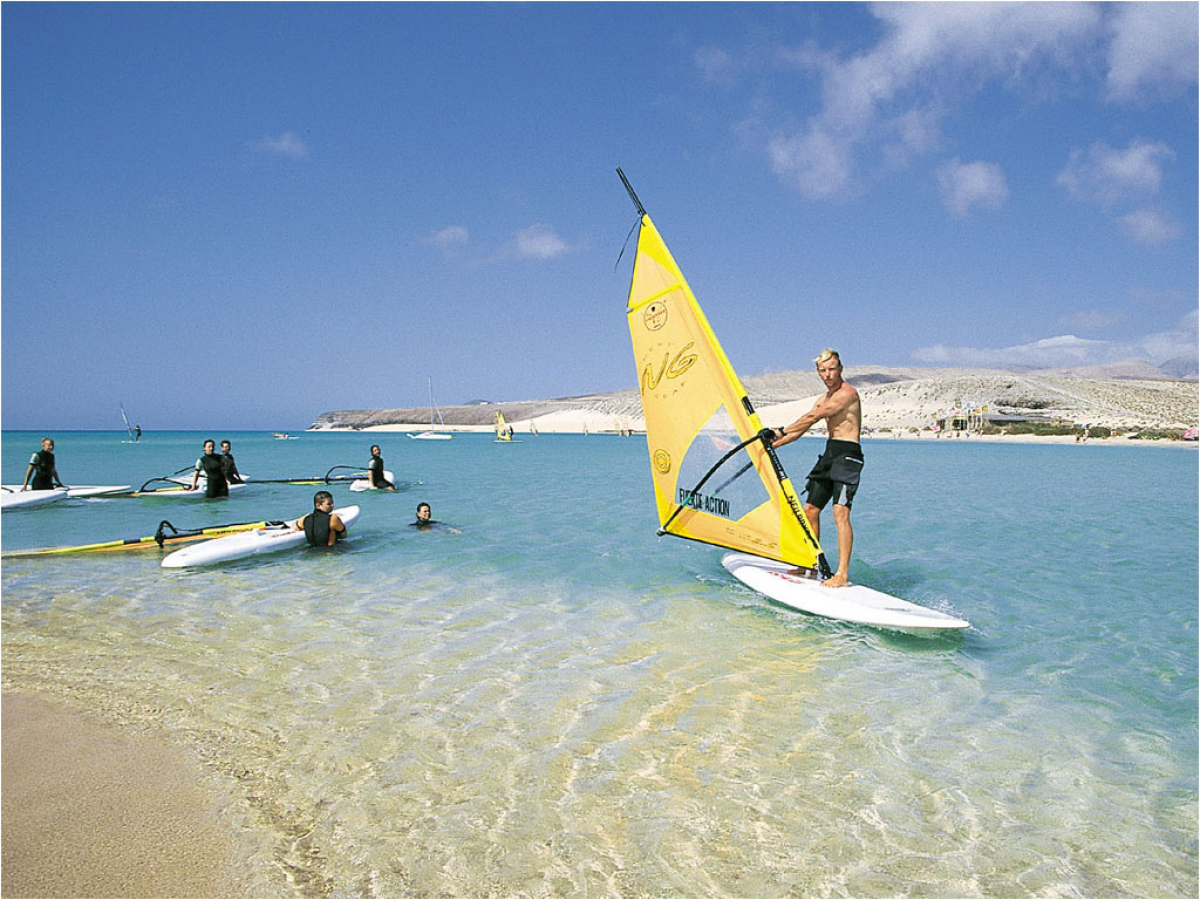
column 322, row 527
column 42, row 468
column 835, row 476
column 213, row 469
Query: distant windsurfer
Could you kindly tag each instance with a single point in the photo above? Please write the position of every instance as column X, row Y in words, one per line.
column 42, row 468
column 375, row 476
column 836, row 474
column 213, row 468
column 322, row 527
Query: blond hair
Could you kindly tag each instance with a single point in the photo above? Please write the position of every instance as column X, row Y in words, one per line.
column 827, row 355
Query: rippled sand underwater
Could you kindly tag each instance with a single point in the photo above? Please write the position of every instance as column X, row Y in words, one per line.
column 556, row 703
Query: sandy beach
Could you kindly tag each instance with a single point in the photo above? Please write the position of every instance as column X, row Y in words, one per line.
column 90, row 811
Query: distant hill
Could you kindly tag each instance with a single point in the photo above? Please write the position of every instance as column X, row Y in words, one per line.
column 1131, row 393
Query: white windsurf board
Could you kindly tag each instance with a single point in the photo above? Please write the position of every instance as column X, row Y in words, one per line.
column 271, row 539
column 15, row 498
column 362, row 484
column 855, row 603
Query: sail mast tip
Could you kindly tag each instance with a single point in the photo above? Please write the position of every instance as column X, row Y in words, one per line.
column 632, row 196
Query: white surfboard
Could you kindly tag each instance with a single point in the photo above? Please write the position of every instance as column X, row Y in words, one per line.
column 82, row 490
column 97, row 490
column 15, row 498
column 856, row 603
column 362, row 484
column 183, row 493
column 271, row 539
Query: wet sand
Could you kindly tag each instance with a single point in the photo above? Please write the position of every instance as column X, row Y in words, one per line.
column 90, row 811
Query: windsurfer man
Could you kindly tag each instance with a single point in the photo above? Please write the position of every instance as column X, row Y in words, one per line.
column 836, row 474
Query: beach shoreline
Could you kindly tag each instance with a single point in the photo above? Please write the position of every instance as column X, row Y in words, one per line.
column 605, row 425
column 92, row 810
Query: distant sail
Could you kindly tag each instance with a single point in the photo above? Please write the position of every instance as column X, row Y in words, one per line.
column 715, row 480
column 504, row 431
column 128, row 427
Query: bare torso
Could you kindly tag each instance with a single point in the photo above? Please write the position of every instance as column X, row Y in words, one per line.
column 845, row 423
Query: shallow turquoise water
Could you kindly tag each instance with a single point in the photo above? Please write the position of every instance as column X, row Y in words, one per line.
column 556, row 702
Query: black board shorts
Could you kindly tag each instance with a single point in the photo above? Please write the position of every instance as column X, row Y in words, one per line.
column 835, row 476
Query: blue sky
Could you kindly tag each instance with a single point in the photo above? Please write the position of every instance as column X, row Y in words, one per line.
column 241, row 216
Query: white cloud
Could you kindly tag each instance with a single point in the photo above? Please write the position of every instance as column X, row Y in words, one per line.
column 930, row 55
column 540, row 242
column 816, row 162
column 287, row 144
column 715, row 65
column 964, row 185
column 451, row 239
column 1148, row 226
column 1068, row 350
column 1153, row 49
column 1106, row 175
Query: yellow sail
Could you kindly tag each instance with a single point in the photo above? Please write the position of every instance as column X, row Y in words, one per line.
column 504, row 431
column 697, row 414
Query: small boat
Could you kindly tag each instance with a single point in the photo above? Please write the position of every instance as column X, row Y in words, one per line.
column 432, row 435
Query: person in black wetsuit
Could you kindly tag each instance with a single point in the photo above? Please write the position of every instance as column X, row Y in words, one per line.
column 228, row 466
column 41, row 466
column 375, row 471
column 213, row 468
column 322, row 527
column 424, row 517
column 426, row 522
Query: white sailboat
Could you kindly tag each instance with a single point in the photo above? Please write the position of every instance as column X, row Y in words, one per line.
column 431, row 434
column 717, row 478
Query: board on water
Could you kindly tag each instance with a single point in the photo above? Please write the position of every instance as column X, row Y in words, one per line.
column 17, row 499
column 855, row 603
column 362, row 484
column 182, row 492
column 270, row 539
column 97, row 490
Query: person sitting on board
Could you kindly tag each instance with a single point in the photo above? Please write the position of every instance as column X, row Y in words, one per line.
column 836, row 474
column 213, row 468
column 375, row 476
column 322, row 527
column 228, row 466
column 42, row 467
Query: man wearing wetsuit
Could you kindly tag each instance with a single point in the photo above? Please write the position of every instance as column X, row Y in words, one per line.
column 228, row 466
column 835, row 476
column 41, row 466
column 213, row 468
column 375, row 475
column 321, row 527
